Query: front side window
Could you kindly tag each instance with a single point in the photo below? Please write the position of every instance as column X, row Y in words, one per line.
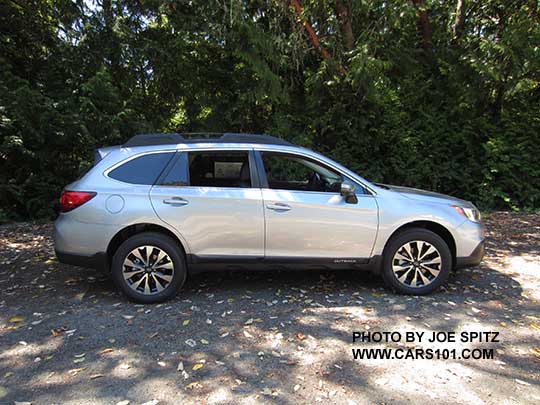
column 219, row 169
column 291, row 172
column 143, row 169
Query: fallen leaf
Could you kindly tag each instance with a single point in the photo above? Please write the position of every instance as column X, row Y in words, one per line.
column 16, row 318
column 93, row 377
column 76, row 371
column 268, row 391
column 522, row 382
column 186, row 322
column 198, row 366
column 107, row 350
column 180, row 366
column 79, row 297
column 204, row 341
column 194, row 384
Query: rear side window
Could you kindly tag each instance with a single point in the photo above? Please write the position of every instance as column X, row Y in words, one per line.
column 142, row 170
column 219, row 169
column 177, row 175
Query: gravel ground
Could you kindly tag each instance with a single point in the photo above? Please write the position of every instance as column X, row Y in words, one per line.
column 66, row 335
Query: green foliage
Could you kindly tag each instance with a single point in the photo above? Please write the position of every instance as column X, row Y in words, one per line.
column 460, row 117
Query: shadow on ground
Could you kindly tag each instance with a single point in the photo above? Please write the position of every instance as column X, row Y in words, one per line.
column 285, row 337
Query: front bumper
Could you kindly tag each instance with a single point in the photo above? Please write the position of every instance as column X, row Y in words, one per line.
column 473, row 259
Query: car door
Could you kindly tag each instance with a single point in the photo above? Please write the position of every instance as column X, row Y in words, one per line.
column 212, row 198
column 306, row 216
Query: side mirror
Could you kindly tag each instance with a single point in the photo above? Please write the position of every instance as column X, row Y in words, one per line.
column 347, row 191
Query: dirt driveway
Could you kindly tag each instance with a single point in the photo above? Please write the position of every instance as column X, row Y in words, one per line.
column 66, row 336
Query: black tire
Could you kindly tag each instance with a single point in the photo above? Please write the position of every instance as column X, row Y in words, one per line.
column 409, row 235
column 167, row 245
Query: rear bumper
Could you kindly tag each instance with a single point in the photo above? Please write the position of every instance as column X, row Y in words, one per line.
column 98, row 261
column 473, row 259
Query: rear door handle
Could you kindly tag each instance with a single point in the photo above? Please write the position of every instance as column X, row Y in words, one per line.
column 278, row 207
column 176, row 201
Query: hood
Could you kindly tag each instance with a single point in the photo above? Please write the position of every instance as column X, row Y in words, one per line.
column 429, row 196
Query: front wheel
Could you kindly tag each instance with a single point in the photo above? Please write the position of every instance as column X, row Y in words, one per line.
column 149, row 267
column 416, row 261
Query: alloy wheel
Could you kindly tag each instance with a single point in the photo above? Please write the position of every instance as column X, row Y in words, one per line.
column 148, row 270
column 416, row 264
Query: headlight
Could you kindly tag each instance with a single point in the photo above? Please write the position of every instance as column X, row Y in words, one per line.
column 472, row 214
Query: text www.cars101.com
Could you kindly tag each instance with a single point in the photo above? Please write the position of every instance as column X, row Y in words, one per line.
column 422, row 354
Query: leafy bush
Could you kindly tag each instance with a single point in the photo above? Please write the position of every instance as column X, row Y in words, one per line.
column 451, row 106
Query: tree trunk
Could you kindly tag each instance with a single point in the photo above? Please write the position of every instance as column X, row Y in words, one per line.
column 459, row 20
column 313, row 36
column 309, row 29
column 345, row 25
column 424, row 27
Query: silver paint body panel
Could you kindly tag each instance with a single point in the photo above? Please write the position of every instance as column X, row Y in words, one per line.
column 237, row 221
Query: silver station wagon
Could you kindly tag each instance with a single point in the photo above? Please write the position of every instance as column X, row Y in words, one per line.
column 162, row 206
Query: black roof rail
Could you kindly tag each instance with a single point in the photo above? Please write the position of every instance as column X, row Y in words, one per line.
column 203, row 137
column 154, row 139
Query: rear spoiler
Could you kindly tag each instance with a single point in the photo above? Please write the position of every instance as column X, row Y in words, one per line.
column 100, row 153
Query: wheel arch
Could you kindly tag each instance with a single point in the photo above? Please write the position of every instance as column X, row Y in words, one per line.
column 134, row 229
column 434, row 227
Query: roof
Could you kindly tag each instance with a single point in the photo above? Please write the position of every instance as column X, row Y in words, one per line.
column 187, row 138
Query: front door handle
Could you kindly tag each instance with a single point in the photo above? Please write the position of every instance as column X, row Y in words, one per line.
column 176, row 201
column 278, row 207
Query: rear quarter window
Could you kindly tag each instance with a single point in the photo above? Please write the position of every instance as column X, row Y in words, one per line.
column 142, row 170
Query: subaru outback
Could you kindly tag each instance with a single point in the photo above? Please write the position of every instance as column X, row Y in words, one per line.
column 163, row 206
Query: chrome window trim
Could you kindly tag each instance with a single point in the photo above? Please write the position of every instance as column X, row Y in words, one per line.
column 306, row 153
column 315, row 192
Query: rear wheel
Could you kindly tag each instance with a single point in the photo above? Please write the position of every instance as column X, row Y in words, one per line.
column 416, row 261
column 149, row 267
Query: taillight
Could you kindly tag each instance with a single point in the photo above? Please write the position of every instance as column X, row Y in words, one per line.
column 73, row 199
